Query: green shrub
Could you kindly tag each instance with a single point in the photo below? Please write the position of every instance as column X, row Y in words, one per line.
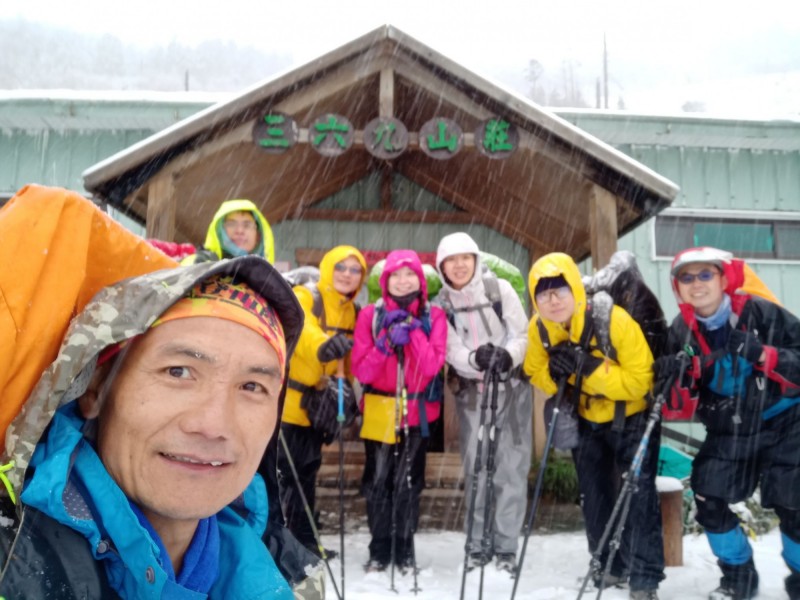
column 560, row 478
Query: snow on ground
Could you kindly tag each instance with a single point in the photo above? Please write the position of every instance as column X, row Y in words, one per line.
column 555, row 565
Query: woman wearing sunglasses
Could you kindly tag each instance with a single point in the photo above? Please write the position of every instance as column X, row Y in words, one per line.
column 738, row 355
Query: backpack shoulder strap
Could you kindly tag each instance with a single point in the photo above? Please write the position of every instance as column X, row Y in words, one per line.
column 377, row 317
column 601, row 306
column 492, row 287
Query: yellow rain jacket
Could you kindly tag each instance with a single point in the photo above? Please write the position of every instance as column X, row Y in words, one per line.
column 213, row 243
column 628, row 379
column 340, row 315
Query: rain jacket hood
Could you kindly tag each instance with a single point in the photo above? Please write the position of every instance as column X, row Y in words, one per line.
column 97, row 507
column 403, row 258
column 457, row 243
column 57, row 251
column 553, row 265
column 214, row 242
column 339, row 312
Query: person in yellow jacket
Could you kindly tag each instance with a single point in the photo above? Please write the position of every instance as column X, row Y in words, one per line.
column 310, row 410
column 237, row 229
column 612, row 414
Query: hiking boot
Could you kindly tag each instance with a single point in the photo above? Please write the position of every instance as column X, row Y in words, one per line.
column 727, row 593
column 375, row 565
column 476, row 560
column 738, row 582
column 608, row 580
column 644, row 595
column 506, row 561
column 792, row 583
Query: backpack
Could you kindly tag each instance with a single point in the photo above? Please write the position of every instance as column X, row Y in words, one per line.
column 620, row 282
column 434, row 391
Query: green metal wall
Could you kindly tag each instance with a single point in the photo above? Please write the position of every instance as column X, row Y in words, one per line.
column 719, row 164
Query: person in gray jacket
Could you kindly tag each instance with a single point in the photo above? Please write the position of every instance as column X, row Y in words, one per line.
column 487, row 338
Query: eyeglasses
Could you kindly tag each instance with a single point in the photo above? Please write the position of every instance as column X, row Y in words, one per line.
column 704, row 275
column 247, row 225
column 345, row 269
column 547, row 296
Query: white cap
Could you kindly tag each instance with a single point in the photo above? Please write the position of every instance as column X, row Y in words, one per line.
column 703, row 254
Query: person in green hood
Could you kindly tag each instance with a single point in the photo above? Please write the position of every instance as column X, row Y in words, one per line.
column 237, row 229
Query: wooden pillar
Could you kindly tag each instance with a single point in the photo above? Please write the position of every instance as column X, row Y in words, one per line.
column 672, row 526
column 449, row 418
column 602, row 225
column 161, row 207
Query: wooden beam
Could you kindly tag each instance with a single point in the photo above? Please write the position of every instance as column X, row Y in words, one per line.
column 308, row 256
column 161, row 206
column 386, row 94
column 602, row 225
column 391, row 216
column 386, row 188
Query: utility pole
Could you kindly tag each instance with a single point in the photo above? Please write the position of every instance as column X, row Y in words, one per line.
column 605, row 72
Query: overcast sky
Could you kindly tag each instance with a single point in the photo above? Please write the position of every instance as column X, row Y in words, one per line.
column 734, row 56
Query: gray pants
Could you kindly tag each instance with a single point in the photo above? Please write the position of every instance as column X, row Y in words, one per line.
column 512, row 462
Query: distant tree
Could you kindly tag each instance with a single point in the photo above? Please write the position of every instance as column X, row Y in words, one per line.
column 693, row 106
column 533, row 74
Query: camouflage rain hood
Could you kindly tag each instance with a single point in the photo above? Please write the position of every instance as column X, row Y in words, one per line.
column 120, row 312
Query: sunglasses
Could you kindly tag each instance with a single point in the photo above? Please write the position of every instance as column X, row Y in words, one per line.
column 345, row 269
column 547, row 296
column 704, row 275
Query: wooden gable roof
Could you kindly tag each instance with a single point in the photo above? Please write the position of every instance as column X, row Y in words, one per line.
column 561, row 190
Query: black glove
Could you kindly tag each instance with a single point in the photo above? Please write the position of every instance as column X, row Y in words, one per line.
column 666, row 367
column 746, row 345
column 334, row 348
column 564, row 361
column 494, row 358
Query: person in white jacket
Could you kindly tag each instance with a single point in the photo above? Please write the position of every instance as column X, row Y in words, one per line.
column 487, row 331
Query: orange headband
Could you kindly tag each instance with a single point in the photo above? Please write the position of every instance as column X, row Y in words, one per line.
column 221, row 298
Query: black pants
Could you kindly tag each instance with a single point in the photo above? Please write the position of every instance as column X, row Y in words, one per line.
column 394, row 481
column 305, row 447
column 603, row 456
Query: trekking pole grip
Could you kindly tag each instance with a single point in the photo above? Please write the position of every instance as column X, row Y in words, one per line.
column 340, row 384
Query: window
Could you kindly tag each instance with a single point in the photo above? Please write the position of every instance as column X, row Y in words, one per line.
column 746, row 238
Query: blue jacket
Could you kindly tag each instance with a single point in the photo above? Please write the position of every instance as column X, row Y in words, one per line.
column 71, row 486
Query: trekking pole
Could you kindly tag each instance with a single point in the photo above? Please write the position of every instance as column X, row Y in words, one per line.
column 475, row 473
column 488, row 508
column 537, row 490
column 308, row 512
column 630, row 480
column 340, row 419
column 406, row 433
column 398, row 399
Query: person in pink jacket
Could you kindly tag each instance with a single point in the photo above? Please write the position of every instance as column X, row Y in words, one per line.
column 400, row 331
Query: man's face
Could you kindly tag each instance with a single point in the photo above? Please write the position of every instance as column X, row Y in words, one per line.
column 189, row 416
column 704, row 296
column 459, row 269
column 242, row 230
column 556, row 304
column 347, row 275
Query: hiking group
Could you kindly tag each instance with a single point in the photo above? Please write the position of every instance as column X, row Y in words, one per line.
column 164, row 424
